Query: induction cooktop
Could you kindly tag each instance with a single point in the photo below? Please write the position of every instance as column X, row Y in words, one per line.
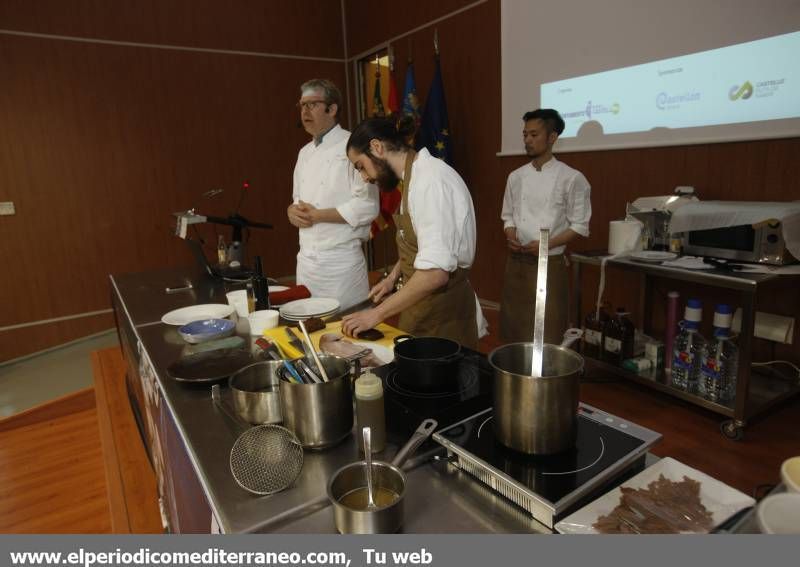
column 406, row 407
column 550, row 486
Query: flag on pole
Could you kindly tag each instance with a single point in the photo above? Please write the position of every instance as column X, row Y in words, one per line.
column 389, row 200
column 393, row 104
column 410, row 100
column 377, row 99
column 434, row 131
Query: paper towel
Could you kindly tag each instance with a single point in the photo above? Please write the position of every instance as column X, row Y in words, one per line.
column 624, row 236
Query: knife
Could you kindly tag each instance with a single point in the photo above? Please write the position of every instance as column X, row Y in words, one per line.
column 298, row 344
column 360, row 306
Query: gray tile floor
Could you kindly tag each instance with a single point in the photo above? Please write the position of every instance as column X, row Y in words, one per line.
column 50, row 375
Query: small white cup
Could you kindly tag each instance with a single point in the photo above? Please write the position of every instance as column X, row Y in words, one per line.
column 779, row 513
column 238, row 299
column 790, row 474
column 263, row 320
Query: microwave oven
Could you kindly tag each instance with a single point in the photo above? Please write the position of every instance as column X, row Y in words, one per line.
column 743, row 243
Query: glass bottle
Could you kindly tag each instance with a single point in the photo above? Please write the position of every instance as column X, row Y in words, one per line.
column 619, row 338
column 222, row 251
column 260, row 287
column 594, row 330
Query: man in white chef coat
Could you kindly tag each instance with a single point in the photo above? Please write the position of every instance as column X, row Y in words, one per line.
column 332, row 206
column 544, row 193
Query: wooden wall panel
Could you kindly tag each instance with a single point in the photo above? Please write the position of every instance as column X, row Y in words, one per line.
column 100, row 144
column 17, row 343
column 371, row 23
column 293, row 28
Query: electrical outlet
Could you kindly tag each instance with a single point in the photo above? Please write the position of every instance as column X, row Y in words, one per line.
column 7, row 208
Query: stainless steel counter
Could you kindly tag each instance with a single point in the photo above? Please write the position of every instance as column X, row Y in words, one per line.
column 440, row 498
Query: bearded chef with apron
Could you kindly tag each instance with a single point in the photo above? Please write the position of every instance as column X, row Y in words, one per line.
column 435, row 238
column 332, row 207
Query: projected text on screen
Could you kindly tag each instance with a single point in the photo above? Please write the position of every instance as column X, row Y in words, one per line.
column 747, row 82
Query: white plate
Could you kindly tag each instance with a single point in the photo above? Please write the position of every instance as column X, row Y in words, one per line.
column 652, row 256
column 304, row 317
column 311, row 307
column 186, row 315
column 718, row 498
column 382, row 353
column 277, row 288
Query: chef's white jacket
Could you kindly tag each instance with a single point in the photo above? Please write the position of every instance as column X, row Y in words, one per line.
column 442, row 215
column 557, row 197
column 330, row 262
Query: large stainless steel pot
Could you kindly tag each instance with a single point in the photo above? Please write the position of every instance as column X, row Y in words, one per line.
column 321, row 415
column 536, row 415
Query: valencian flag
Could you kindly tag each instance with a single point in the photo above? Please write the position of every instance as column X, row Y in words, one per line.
column 434, row 132
column 389, row 200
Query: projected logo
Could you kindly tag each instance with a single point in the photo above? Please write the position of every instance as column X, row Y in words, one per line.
column 743, row 91
column 593, row 109
column 667, row 101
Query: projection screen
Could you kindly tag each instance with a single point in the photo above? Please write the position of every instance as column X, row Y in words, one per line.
column 641, row 73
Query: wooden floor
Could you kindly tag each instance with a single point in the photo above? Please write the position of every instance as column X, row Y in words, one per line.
column 52, row 479
column 51, row 470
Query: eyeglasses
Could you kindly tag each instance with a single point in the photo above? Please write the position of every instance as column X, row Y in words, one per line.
column 309, row 104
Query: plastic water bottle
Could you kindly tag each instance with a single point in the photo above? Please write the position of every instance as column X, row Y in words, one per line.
column 720, row 360
column 688, row 349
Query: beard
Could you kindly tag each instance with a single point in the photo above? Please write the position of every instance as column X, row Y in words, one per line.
column 386, row 179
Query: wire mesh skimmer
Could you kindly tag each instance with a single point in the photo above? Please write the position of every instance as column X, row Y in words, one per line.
column 265, row 459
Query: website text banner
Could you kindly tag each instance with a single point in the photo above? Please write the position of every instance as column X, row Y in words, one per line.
column 394, row 550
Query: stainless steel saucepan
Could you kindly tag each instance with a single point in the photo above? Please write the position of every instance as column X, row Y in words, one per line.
column 351, row 515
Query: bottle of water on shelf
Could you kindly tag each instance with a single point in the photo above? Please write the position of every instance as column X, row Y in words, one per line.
column 720, row 360
column 688, row 349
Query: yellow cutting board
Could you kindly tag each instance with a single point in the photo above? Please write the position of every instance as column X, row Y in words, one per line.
column 278, row 334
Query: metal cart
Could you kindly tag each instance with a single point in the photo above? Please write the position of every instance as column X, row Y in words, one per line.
column 756, row 392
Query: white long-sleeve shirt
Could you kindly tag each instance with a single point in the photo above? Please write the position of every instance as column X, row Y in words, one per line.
column 557, row 197
column 442, row 215
column 324, row 177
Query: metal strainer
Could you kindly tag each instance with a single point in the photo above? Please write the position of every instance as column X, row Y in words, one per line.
column 265, row 459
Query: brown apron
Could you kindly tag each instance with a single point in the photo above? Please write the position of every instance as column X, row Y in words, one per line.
column 519, row 299
column 449, row 311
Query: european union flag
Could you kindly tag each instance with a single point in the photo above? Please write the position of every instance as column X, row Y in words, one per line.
column 434, row 133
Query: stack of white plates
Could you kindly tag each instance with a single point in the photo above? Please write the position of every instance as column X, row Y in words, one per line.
column 302, row 309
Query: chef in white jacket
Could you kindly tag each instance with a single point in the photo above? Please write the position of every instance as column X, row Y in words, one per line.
column 332, row 206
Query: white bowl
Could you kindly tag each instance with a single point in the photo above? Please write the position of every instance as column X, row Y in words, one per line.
column 790, row 474
column 262, row 320
column 780, row 514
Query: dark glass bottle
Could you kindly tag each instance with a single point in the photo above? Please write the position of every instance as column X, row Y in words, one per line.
column 260, row 287
column 594, row 331
column 620, row 334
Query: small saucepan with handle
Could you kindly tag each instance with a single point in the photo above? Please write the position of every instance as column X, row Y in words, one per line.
column 347, row 490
